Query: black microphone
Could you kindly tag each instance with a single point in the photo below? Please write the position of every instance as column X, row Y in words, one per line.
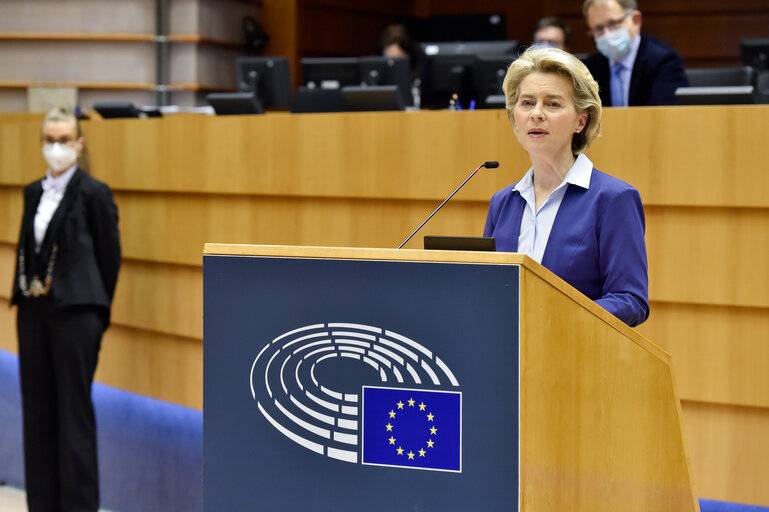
column 488, row 165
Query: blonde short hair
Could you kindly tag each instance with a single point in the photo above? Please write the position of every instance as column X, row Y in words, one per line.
column 539, row 59
column 62, row 114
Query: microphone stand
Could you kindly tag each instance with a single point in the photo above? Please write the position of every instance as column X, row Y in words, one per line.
column 489, row 165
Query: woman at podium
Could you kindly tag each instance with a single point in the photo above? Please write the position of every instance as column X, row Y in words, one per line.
column 584, row 225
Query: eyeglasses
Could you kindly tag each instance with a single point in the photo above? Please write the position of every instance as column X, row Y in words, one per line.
column 611, row 26
column 65, row 140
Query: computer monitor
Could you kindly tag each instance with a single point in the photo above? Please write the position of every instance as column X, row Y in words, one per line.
column 235, row 103
column 268, row 77
column 755, row 53
column 723, row 95
column 490, row 71
column 372, row 98
column 116, row 109
column 338, row 72
column 386, row 71
column 450, row 68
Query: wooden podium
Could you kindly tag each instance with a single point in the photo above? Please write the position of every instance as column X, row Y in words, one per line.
column 562, row 406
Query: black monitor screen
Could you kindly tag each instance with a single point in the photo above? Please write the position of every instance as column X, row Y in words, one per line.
column 269, row 77
column 450, row 69
column 235, row 103
column 338, row 72
column 490, row 71
column 330, row 72
column 755, row 52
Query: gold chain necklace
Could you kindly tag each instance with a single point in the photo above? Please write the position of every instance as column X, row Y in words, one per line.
column 37, row 288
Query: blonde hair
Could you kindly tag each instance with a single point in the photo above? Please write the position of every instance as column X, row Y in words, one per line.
column 65, row 115
column 539, row 59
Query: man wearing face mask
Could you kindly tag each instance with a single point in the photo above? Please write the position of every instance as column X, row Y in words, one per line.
column 67, row 264
column 632, row 69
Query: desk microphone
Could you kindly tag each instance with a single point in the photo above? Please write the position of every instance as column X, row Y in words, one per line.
column 487, row 165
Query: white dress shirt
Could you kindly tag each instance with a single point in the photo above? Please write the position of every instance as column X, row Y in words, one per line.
column 536, row 225
column 53, row 192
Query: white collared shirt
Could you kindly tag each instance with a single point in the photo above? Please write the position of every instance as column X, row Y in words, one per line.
column 53, row 192
column 536, row 225
column 627, row 69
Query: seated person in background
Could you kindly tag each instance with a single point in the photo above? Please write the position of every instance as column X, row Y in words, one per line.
column 631, row 69
column 395, row 42
column 552, row 32
column 585, row 226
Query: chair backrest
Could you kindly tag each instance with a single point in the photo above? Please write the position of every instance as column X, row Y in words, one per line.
column 717, row 77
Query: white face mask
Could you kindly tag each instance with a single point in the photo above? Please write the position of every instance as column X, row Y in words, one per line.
column 59, row 156
column 614, row 45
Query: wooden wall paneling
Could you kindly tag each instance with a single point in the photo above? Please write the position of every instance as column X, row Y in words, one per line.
column 727, row 268
column 217, row 19
column 339, row 31
column 730, row 450
column 688, row 156
column 720, row 353
column 391, row 8
column 279, row 19
column 519, row 21
column 8, row 339
column 181, row 224
column 405, row 155
column 11, row 207
column 157, row 297
column 710, row 39
column 355, row 155
column 163, row 366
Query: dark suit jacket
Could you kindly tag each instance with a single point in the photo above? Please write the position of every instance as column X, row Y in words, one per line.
column 85, row 227
column 596, row 244
column 657, row 71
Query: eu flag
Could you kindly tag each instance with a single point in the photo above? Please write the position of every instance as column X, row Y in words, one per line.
column 412, row 428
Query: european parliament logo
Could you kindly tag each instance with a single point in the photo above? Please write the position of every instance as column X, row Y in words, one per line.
column 404, row 423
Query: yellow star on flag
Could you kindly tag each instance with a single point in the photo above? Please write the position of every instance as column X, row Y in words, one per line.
column 422, row 406
column 389, row 427
column 430, row 417
column 430, row 443
column 392, row 440
column 399, row 404
column 411, row 455
column 392, row 414
column 399, row 450
column 422, row 452
column 433, row 430
column 411, row 402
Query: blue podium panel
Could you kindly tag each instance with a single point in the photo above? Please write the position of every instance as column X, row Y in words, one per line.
column 336, row 385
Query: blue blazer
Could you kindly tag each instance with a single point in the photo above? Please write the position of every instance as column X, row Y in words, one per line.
column 596, row 245
column 657, row 71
